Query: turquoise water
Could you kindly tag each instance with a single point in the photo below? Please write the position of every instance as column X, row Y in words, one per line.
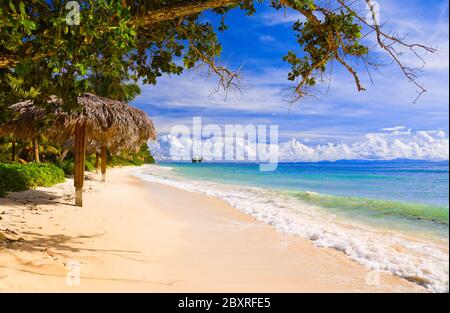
column 412, row 195
column 389, row 216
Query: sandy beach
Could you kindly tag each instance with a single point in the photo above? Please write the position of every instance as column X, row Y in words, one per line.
column 136, row 236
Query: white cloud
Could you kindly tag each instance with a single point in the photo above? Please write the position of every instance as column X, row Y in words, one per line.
column 391, row 129
column 262, row 92
column 399, row 143
column 277, row 17
column 404, row 18
column 266, row 38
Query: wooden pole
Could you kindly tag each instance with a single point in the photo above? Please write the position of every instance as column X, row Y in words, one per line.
column 36, row 151
column 103, row 157
column 13, row 150
column 97, row 161
column 80, row 159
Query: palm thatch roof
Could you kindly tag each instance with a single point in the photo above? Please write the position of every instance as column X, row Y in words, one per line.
column 109, row 123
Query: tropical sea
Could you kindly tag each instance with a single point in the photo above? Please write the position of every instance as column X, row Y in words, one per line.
column 391, row 216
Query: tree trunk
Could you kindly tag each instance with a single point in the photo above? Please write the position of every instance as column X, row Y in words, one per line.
column 80, row 159
column 63, row 154
column 36, row 151
column 13, row 157
column 103, row 157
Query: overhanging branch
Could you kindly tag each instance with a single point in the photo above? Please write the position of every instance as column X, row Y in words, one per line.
column 170, row 12
column 167, row 13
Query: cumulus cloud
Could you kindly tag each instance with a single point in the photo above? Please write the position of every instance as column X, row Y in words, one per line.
column 421, row 145
column 386, row 145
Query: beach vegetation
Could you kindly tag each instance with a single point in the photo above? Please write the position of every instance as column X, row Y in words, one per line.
column 63, row 157
column 19, row 177
column 126, row 158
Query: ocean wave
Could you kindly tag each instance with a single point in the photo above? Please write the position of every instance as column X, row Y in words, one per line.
column 382, row 207
column 168, row 168
column 421, row 261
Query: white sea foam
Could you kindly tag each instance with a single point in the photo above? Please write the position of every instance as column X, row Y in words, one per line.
column 418, row 260
column 168, row 168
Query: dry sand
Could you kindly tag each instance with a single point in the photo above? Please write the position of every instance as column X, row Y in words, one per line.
column 134, row 236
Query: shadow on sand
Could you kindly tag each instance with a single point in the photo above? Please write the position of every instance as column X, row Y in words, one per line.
column 36, row 197
column 58, row 245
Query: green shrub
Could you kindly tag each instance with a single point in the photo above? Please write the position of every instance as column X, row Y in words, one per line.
column 51, row 150
column 139, row 158
column 18, row 177
column 125, row 161
column 145, row 155
column 67, row 166
column 89, row 166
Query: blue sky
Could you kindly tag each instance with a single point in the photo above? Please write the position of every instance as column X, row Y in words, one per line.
column 342, row 115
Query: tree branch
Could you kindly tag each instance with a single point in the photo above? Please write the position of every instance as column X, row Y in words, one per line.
column 185, row 8
column 387, row 42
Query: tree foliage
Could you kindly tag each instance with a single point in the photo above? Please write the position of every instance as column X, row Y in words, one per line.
column 41, row 55
column 113, row 88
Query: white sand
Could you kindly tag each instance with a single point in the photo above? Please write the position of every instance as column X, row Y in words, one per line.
column 133, row 236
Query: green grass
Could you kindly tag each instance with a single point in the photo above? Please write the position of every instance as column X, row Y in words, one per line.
column 19, row 177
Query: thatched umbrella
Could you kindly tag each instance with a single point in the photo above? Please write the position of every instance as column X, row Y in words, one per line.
column 101, row 122
column 109, row 123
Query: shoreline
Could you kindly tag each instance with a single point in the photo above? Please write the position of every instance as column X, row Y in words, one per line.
column 136, row 236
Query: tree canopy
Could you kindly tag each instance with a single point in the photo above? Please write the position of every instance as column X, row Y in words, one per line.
column 47, row 49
